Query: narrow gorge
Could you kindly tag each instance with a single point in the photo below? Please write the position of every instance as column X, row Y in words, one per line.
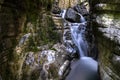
column 59, row 40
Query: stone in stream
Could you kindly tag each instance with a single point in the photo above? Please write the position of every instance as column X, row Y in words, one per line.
column 63, row 69
column 72, row 16
column 81, row 9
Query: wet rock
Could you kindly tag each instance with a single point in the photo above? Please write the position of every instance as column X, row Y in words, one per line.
column 72, row 16
column 68, row 35
column 81, row 9
column 66, row 26
column 70, row 47
column 63, row 68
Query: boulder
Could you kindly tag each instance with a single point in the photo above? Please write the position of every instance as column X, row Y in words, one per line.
column 81, row 9
column 72, row 16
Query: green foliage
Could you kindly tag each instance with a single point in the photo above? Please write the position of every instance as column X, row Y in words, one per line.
column 32, row 45
column 46, row 32
column 15, row 9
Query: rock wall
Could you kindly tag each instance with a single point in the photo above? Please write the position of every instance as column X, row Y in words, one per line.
column 27, row 26
column 106, row 27
column 24, row 27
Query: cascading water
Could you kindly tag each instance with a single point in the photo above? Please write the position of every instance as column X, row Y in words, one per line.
column 85, row 68
column 78, row 37
column 78, row 34
column 63, row 13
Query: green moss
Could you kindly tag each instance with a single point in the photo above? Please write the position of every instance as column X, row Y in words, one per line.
column 46, row 32
column 12, row 13
column 31, row 43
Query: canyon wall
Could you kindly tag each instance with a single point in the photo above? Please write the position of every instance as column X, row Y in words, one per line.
column 106, row 27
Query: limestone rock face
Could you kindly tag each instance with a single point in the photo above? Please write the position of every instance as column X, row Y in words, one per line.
column 107, row 32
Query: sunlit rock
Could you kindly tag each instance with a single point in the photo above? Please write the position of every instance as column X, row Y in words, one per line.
column 111, row 26
column 112, row 33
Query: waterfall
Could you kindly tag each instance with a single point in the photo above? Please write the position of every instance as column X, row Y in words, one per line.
column 82, row 19
column 62, row 14
column 85, row 68
column 78, row 36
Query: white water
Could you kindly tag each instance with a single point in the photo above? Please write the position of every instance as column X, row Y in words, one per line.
column 85, row 67
column 82, row 19
column 78, row 36
column 63, row 13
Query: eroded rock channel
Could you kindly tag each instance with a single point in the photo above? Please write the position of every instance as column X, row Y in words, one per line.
column 59, row 40
column 82, row 63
